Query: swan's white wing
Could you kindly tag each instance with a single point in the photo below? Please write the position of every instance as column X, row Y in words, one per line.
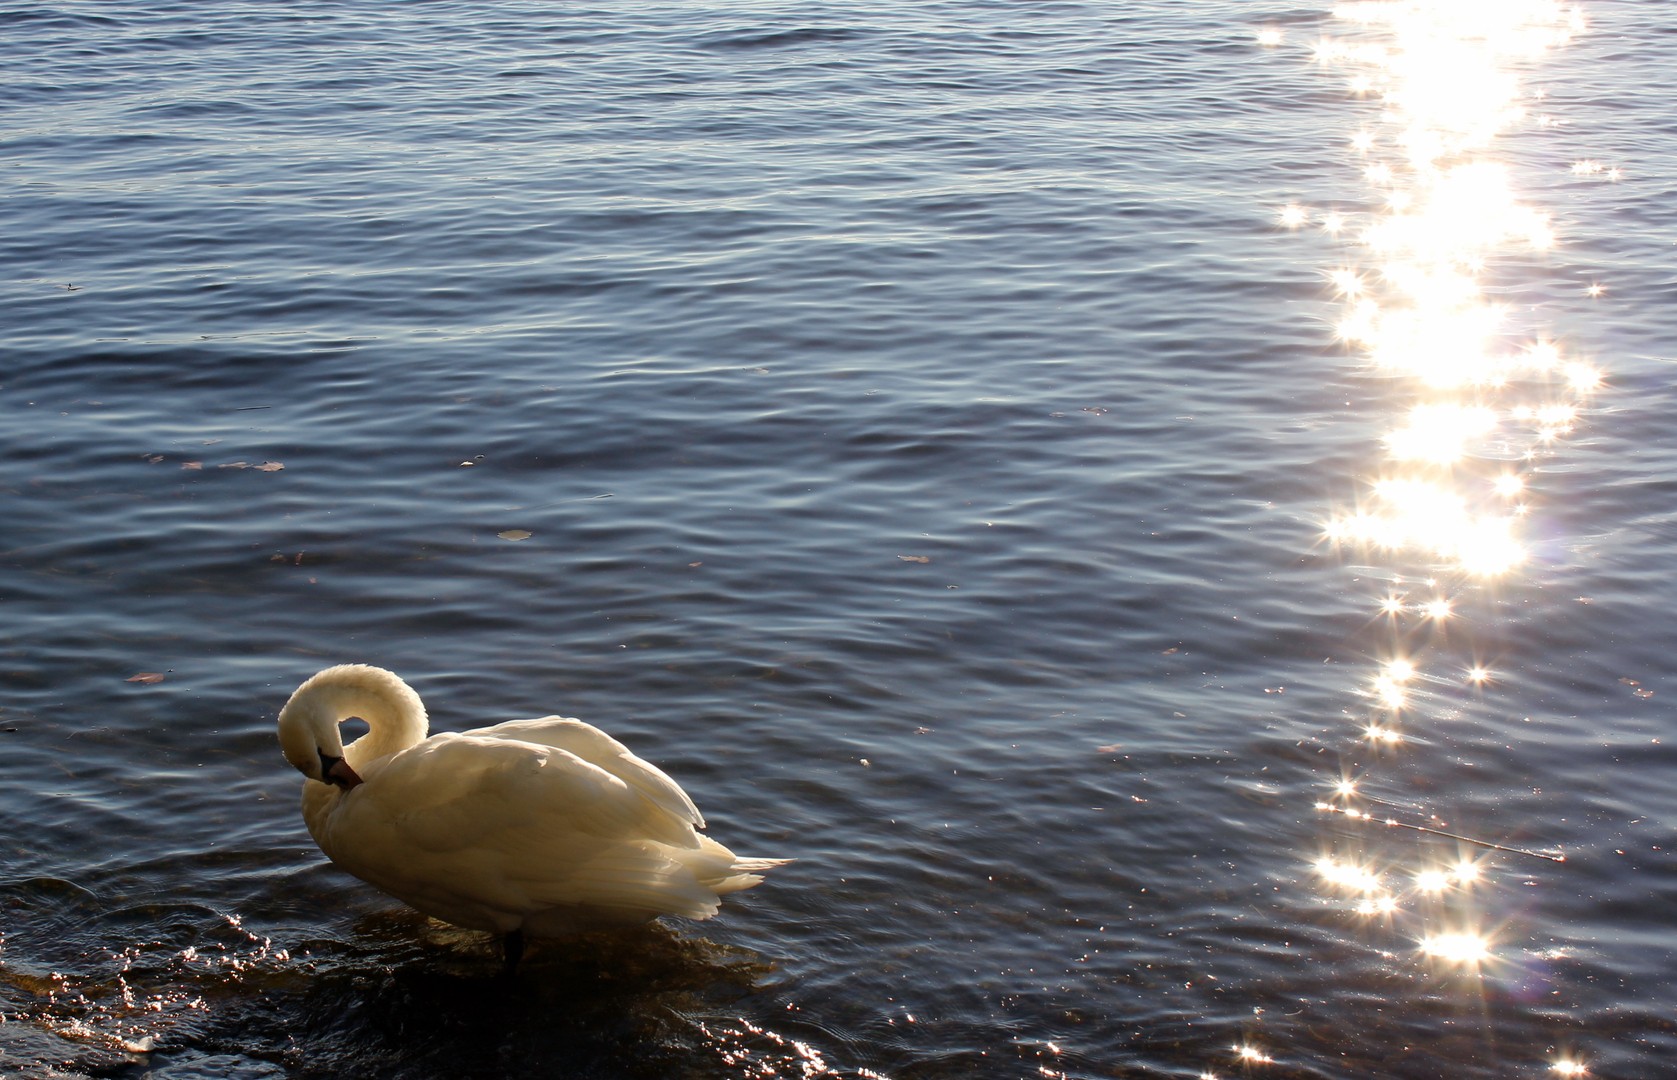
column 599, row 749
column 459, row 791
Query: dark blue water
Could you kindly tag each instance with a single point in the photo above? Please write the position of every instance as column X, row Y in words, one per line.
column 917, row 429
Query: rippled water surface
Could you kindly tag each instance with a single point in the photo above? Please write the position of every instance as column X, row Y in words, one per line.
column 981, row 450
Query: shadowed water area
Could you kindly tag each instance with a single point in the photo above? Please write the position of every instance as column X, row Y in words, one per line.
column 1191, row 602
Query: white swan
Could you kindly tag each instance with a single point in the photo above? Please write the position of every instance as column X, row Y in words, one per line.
column 542, row 827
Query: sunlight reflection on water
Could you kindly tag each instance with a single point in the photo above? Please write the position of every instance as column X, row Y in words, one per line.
column 1480, row 394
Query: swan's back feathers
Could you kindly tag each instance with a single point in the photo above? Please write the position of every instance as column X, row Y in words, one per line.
column 597, row 748
column 454, row 791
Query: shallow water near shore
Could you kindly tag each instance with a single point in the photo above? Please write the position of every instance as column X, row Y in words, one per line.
column 953, row 441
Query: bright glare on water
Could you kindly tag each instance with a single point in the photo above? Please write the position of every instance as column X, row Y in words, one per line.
column 1163, row 510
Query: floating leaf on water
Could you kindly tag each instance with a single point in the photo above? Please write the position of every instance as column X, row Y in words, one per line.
column 194, row 465
column 235, row 465
column 515, row 534
column 270, row 466
column 915, row 558
column 147, row 677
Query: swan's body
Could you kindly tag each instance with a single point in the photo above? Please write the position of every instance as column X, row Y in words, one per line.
column 545, row 827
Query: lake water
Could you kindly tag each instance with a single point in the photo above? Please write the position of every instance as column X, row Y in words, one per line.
column 1165, row 510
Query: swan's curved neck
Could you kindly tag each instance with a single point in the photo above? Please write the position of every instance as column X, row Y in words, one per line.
column 394, row 714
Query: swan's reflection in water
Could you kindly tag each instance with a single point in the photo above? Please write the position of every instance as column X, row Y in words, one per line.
column 413, row 993
column 1441, row 292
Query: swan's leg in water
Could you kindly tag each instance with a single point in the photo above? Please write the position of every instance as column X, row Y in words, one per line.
column 512, row 948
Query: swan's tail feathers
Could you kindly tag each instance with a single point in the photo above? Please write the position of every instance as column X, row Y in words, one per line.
column 745, row 873
column 757, row 866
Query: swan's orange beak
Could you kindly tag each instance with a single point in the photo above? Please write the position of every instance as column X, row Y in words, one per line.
column 341, row 774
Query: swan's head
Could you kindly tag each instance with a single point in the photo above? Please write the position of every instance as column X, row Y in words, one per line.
column 311, row 740
column 308, row 725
